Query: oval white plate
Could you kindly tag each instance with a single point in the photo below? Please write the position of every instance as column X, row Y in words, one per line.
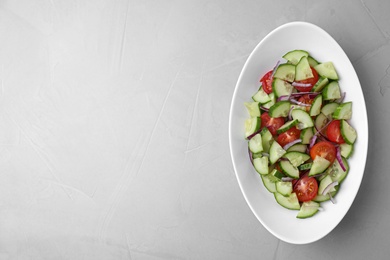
column 279, row 221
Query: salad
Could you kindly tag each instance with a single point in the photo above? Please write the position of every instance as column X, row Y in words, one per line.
column 299, row 133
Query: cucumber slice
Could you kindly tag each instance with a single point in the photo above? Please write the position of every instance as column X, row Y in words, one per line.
column 275, row 152
column 252, row 125
column 289, row 169
column 308, row 209
column 284, row 187
column 336, row 172
column 295, row 56
column 267, row 139
column 285, row 72
column 303, row 117
column 261, row 165
column 303, row 70
column 331, row 91
column 315, row 108
column 305, row 166
column 261, row 97
column 319, row 166
column 348, row 132
column 296, row 158
column 324, row 183
column 281, row 87
column 253, row 108
column 321, row 83
column 279, row 109
column 313, row 62
column 320, row 122
column 276, row 175
column 343, row 111
column 327, row 69
column 289, row 202
column 287, row 126
column 268, row 183
column 306, row 135
column 255, row 144
column 346, row 150
column 298, row 148
column 271, row 102
column 329, row 108
column 326, row 197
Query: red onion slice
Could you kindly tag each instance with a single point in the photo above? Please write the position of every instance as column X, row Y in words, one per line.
column 299, row 103
column 298, row 84
column 312, row 141
column 252, row 135
column 250, row 155
column 332, row 199
column 276, row 66
column 292, row 143
column 283, row 98
column 286, row 179
column 264, row 108
column 329, row 187
column 341, row 99
column 339, row 159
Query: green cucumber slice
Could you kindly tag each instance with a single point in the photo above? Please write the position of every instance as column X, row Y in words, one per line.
column 271, row 102
column 343, row 111
column 275, row 152
column 325, row 183
column 303, row 117
column 285, row 72
column 298, row 148
column 253, row 108
column 327, row 69
column 331, row 91
column 348, row 132
column 346, row 150
column 252, row 125
column 256, row 144
column 305, row 166
column 267, row 139
column 284, row 187
column 261, row 96
column 287, row 126
column 289, row 202
column 296, row 158
column 295, row 56
column 319, row 166
column 313, row 62
column 320, row 122
column 315, row 108
column 308, row 209
column 281, row 87
column 306, row 135
column 321, row 83
column 303, row 70
column 279, row 109
column 329, row 108
column 326, row 197
column 336, row 172
column 268, row 183
column 261, row 165
column 289, row 169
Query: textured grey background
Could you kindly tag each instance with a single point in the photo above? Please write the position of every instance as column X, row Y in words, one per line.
column 114, row 128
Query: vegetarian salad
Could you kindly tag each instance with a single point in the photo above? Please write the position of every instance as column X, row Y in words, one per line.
column 299, row 134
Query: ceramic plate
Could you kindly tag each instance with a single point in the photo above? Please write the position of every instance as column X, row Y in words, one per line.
column 279, row 221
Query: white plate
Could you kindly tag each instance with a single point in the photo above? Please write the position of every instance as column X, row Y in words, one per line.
column 279, row 221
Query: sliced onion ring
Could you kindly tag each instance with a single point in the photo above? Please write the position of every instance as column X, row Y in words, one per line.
column 292, row 143
column 276, row 66
column 340, row 159
column 299, row 103
column 298, row 84
column 329, row 187
column 312, row 141
column 287, row 179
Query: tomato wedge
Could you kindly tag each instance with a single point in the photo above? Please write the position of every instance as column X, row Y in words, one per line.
column 312, row 81
column 306, row 99
column 290, row 135
column 306, row 188
column 266, row 82
column 324, row 149
column 271, row 123
column 333, row 132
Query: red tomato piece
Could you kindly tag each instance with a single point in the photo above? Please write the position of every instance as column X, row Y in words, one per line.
column 271, row 123
column 306, row 188
column 324, row 149
column 290, row 135
column 312, row 81
column 333, row 132
column 266, row 82
column 306, row 99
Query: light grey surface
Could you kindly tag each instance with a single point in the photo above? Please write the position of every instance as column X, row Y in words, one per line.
column 114, row 128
